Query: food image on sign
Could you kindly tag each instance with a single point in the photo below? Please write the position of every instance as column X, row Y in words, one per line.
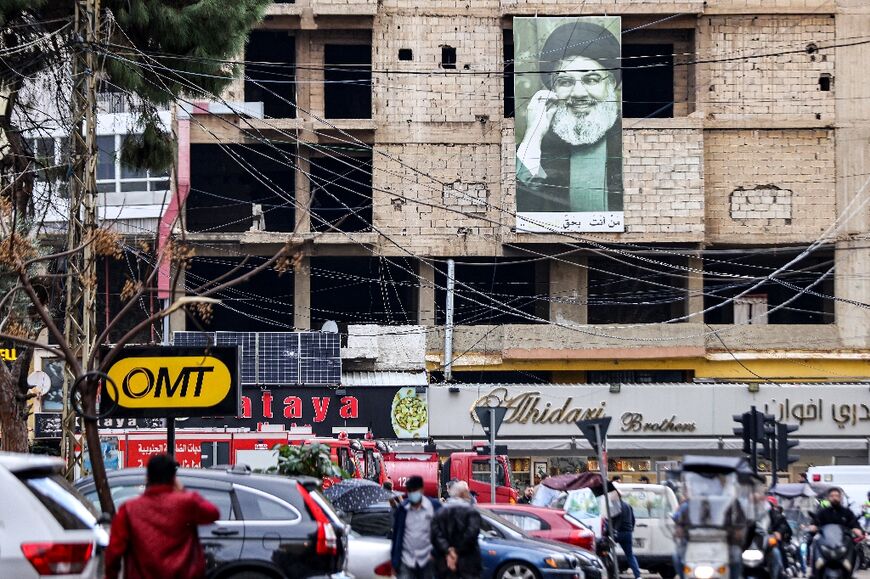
column 410, row 414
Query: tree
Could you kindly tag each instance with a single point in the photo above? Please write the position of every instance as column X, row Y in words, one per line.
column 306, row 460
column 38, row 44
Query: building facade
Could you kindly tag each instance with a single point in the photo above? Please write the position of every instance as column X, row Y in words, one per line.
column 379, row 137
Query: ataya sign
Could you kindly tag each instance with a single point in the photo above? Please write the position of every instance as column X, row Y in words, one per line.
column 385, row 411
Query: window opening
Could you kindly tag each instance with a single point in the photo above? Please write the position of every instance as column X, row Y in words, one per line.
column 271, row 84
column 448, row 56
column 348, row 78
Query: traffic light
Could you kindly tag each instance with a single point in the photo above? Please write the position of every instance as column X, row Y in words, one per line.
column 744, row 431
column 768, row 437
column 783, row 444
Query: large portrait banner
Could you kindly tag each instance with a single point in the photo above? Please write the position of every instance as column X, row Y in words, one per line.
column 568, row 91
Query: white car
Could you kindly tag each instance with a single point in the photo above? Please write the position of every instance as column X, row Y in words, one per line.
column 46, row 527
column 368, row 557
column 653, row 544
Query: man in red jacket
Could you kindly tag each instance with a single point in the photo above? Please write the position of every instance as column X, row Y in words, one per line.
column 155, row 535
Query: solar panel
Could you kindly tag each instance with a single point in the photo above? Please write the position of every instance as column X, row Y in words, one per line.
column 278, row 355
column 277, row 358
column 192, row 338
column 320, row 358
column 248, row 342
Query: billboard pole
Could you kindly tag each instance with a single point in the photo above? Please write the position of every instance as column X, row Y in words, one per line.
column 602, row 466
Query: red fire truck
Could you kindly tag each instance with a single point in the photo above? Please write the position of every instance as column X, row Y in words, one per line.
column 468, row 466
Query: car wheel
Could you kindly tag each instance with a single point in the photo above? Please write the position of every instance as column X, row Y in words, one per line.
column 249, row 575
column 517, row 571
column 667, row 572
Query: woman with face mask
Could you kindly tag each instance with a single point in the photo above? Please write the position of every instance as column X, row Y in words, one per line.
column 412, row 543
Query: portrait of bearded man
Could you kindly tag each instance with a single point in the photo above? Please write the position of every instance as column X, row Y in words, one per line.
column 569, row 158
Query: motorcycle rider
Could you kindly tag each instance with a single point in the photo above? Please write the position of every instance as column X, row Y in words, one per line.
column 779, row 528
column 835, row 514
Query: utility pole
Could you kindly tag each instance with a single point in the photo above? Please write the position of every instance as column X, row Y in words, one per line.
column 81, row 274
column 448, row 322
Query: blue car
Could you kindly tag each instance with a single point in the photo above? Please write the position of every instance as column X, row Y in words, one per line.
column 496, row 527
column 507, row 554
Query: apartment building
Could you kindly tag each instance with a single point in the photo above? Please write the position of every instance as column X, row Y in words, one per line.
column 380, row 137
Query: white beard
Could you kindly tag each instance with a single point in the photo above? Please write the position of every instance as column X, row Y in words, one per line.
column 589, row 128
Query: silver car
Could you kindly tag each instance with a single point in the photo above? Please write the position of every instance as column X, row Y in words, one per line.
column 48, row 527
column 368, row 557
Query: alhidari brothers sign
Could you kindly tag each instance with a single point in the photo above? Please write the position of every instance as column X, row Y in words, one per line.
column 681, row 410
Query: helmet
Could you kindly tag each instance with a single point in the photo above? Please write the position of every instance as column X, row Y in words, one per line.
column 773, row 502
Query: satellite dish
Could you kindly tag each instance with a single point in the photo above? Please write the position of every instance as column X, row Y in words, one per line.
column 40, row 382
column 329, row 327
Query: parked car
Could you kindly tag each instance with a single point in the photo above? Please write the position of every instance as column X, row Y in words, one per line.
column 48, row 527
column 368, row 557
column 554, row 524
column 507, row 552
column 653, row 506
column 272, row 525
column 592, row 566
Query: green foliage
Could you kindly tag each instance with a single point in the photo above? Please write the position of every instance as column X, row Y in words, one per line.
column 306, row 460
column 152, row 149
column 187, row 42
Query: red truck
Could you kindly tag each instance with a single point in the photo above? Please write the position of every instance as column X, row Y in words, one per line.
column 468, row 466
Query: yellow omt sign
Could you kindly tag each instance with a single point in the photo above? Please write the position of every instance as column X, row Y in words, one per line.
column 169, row 382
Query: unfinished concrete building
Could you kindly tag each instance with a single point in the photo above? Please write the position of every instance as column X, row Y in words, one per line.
column 380, row 134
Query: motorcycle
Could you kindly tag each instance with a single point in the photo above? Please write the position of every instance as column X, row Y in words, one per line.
column 834, row 553
column 723, row 500
column 758, row 558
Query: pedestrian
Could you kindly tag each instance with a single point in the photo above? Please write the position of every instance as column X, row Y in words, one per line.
column 624, row 527
column 155, row 535
column 616, row 479
column 454, row 537
column 644, row 480
column 411, row 550
column 803, row 478
column 528, row 495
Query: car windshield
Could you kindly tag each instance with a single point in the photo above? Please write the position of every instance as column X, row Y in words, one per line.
column 646, row 504
column 582, row 504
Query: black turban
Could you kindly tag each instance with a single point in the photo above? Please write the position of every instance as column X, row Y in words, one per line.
column 581, row 38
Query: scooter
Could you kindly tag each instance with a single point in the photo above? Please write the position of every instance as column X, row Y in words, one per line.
column 834, row 556
column 758, row 558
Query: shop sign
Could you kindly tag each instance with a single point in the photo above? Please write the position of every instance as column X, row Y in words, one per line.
column 47, row 425
column 385, row 411
column 653, row 410
column 175, row 381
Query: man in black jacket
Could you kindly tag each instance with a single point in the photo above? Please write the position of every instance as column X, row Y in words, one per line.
column 835, row 514
column 454, row 536
column 623, row 524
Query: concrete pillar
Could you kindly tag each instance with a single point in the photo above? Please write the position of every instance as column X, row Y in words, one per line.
column 695, row 290
column 569, row 284
column 852, row 89
column 302, row 295
column 426, row 296
column 303, row 101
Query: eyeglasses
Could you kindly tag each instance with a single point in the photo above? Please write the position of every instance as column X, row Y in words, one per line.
column 589, row 80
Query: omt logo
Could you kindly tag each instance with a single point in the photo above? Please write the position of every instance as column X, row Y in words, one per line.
column 170, row 382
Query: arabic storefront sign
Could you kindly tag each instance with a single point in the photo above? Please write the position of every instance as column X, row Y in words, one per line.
column 653, row 410
column 175, row 381
column 386, row 411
